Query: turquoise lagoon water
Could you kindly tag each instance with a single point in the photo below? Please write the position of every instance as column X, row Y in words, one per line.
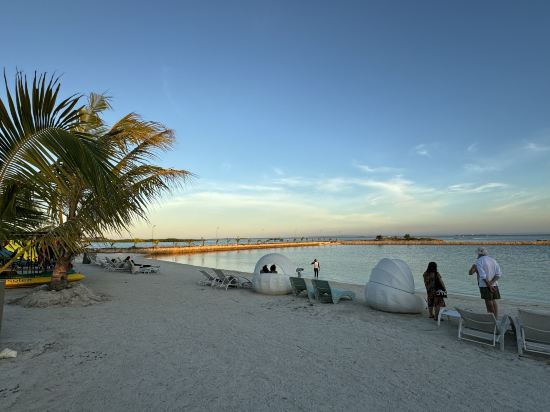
column 526, row 269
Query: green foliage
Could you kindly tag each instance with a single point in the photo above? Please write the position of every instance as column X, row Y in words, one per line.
column 65, row 176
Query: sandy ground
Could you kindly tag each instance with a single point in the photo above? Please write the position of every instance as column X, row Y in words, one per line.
column 162, row 342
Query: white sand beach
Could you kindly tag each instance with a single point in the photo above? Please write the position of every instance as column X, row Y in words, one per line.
column 162, row 342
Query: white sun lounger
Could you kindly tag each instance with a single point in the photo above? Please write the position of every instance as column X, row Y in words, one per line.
column 209, row 280
column 118, row 266
column 135, row 268
column 533, row 331
column 228, row 281
column 482, row 328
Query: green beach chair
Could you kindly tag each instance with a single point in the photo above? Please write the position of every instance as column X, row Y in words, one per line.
column 299, row 285
column 325, row 294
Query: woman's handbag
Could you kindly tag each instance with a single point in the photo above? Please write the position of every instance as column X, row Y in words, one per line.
column 438, row 286
column 441, row 293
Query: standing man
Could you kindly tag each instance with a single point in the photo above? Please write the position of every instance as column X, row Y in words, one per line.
column 316, row 267
column 488, row 272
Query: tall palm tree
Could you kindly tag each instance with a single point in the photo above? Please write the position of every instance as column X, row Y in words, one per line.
column 72, row 204
column 40, row 153
column 132, row 144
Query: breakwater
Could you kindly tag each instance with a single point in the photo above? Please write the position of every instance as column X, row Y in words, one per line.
column 175, row 250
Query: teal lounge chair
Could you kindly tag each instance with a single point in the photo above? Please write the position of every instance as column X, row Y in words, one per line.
column 299, row 285
column 325, row 294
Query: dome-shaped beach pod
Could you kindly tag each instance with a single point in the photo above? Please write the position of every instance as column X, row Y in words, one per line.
column 273, row 283
column 391, row 288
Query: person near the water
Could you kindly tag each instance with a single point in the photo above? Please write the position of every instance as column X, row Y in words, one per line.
column 488, row 273
column 316, row 267
column 435, row 289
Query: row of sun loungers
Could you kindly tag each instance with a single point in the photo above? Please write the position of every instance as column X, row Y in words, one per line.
column 319, row 290
column 532, row 329
column 119, row 265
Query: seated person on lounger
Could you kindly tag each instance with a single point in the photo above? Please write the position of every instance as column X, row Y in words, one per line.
column 264, row 269
column 273, row 269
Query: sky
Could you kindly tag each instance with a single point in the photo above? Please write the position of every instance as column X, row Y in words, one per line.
column 304, row 118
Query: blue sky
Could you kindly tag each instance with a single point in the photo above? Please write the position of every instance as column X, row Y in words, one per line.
column 319, row 117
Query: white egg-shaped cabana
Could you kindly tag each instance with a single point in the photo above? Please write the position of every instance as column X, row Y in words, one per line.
column 391, row 288
column 273, row 283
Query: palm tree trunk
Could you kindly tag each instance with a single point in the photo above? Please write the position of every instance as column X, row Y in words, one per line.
column 59, row 275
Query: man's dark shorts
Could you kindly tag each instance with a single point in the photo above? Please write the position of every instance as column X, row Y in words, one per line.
column 487, row 294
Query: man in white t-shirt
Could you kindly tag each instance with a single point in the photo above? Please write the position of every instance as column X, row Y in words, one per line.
column 488, row 272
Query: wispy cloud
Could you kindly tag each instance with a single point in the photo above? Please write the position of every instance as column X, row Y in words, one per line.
column 471, row 188
column 472, row 148
column 422, row 150
column 535, row 147
column 398, row 187
column 378, row 169
column 296, row 181
column 521, row 201
column 476, row 168
column 278, row 171
column 259, row 188
column 335, row 184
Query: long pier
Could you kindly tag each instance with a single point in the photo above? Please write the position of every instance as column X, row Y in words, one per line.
column 177, row 250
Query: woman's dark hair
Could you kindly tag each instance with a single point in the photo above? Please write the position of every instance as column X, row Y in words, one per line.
column 432, row 267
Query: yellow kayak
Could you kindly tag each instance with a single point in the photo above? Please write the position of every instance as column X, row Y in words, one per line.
column 24, row 282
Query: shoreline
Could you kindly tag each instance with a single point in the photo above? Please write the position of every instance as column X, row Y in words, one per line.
column 181, row 250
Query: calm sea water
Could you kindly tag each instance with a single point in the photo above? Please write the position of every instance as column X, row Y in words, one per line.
column 526, row 269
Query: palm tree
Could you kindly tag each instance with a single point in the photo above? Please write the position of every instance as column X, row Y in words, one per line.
column 41, row 153
column 65, row 175
column 132, row 144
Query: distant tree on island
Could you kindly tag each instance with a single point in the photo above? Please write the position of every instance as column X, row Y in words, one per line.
column 379, row 237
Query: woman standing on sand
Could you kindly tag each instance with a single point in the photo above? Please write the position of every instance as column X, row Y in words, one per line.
column 435, row 288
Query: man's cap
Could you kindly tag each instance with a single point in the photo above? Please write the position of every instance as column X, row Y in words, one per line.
column 481, row 251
